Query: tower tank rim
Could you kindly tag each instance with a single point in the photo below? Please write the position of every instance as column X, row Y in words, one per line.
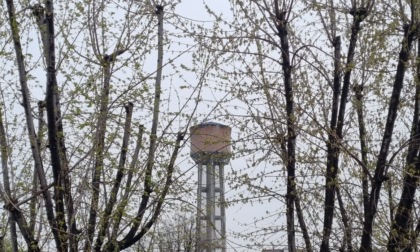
column 209, row 123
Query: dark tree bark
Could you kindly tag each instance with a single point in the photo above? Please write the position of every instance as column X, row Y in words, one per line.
column 35, row 181
column 55, row 135
column 337, row 121
column 410, row 33
column 148, row 185
column 99, row 143
column 125, row 243
column 302, row 224
column 124, row 200
column 49, row 206
column 7, row 194
column 333, row 150
column 99, row 147
column 282, row 32
column 348, row 235
column 358, row 89
column 105, row 219
column 400, row 235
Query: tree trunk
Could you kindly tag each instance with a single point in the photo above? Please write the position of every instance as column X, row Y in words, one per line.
column 14, row 26
column 105, row 219
column 380, row 176
column 282, row 33
column 400, row 235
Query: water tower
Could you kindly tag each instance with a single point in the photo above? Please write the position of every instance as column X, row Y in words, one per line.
column 210, row 149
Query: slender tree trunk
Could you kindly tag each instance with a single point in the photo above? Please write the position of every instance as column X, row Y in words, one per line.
column 49, row 206
column 35, row 180
column 400, row 235
column 99, row 154
column 117, row 183
column 148, row 189
column 125, row 243
column 13, row 234
column 410, row 32
column 53, row 117
column 302, row 225
column 282, row 33
column 363, row 146
column 99, row 143
column 337, row 124
column 7, row 195
column 333, row 151
column 348, row 236
column 44, row 17
column 124, row 200
column 132, row 235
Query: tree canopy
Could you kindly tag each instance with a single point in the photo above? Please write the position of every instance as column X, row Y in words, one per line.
column 97, row 98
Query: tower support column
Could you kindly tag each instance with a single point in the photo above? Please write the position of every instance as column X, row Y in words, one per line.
column 210, row 149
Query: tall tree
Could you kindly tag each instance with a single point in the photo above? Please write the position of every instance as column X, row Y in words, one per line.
column 350, row 122
column 94, row 189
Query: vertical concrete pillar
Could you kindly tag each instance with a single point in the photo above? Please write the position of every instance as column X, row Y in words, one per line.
column 210, row 149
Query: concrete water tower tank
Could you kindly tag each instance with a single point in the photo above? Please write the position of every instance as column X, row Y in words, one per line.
column 211, row 150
